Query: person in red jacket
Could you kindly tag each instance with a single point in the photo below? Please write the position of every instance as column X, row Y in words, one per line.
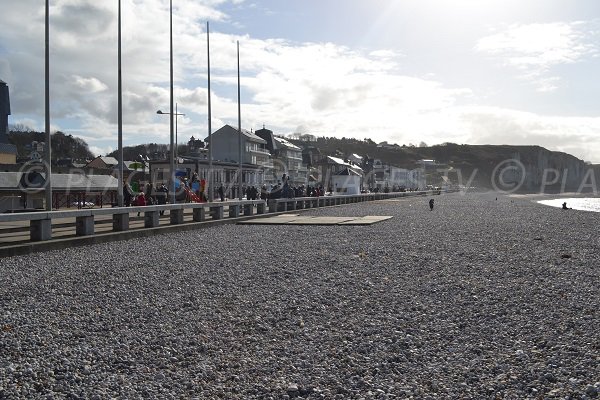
column 140, row 200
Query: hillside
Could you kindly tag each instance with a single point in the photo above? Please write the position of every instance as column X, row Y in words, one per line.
column 63, row 146
column 473, row 165
column 476, row 165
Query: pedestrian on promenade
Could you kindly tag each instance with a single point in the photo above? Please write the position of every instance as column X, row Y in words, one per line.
column 140, row 200
column 431, row 205
column 264, row 195
column 161, row 196
column 150, row 200
column 222, row 192
column 127, row 194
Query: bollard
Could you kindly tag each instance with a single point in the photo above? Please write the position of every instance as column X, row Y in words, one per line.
column 272, row 206
column 199, row 214
column 216, row 212
column 40, row 230
column 261, row 208
column 234, row 211
column 176, row 216
column 151, row 219
column 121, row 222
column 84, row 226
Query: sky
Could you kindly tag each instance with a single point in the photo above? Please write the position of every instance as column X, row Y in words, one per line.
column 516, row 72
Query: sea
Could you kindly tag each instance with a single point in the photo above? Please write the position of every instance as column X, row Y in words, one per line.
column 576, row 203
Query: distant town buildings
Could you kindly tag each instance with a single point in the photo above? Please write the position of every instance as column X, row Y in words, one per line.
column 286, row 158
column 36, row 150
column 265, row 158
column 391, row 177
column 106, row 163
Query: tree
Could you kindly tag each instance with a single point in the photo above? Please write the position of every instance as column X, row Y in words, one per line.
column 63, row 146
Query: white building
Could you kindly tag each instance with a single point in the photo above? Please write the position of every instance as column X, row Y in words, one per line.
column 225, row 144
column 395, row 178
column 347, row 182
column 331, row 166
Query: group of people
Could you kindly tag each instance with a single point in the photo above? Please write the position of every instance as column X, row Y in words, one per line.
column 146, row 196
column 281, row 192
column 283, row 189
column 149, row 195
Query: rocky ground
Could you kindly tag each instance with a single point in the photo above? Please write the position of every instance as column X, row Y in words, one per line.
column 478, row 299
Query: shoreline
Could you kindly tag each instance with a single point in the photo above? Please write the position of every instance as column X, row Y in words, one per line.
column 560, row 195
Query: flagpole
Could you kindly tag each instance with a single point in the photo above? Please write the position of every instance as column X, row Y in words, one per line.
column 48, row 149
column 172, row 155
column 210, row 173
column 120, row 120
column 239, row 122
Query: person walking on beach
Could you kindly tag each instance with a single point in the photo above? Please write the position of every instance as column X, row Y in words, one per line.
column 431, row 205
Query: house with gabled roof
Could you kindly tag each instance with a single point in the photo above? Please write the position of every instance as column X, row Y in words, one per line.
column 101, row 162
column 225, row 144
column 331, row 166
column 287, row 158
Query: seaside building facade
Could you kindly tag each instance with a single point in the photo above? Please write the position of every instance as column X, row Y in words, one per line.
column 394, row 178
column 25, row 190
column 287, row 158
column 223, row 173
column 330, row 166
column 101, row 162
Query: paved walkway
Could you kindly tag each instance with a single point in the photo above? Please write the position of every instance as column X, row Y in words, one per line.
column 297, row 219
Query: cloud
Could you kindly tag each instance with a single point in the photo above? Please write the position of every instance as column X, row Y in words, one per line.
column 89, row 84
column 317, row 87
column 101, row 151
column 534, row 49
column 493, row 125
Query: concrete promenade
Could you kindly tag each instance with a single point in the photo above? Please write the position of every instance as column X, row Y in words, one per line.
column 22, row 233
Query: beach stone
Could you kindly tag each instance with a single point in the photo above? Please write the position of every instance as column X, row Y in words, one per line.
column 591, row 391
column 459, row 303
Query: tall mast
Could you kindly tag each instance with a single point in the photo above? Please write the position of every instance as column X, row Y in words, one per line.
column 239, row 122
column 48, row 149
column 120, row 119
column 210, row 173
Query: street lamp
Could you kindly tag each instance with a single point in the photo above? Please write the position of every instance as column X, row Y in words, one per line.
column 176, row 114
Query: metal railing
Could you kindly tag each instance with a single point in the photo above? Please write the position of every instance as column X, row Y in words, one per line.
column 41, row 223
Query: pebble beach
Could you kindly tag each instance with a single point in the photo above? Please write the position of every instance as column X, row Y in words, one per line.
column 485, row 297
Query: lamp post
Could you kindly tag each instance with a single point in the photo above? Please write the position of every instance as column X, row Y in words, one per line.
column 176, row 114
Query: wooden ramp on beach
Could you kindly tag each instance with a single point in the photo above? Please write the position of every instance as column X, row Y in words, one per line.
column 297, row 219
